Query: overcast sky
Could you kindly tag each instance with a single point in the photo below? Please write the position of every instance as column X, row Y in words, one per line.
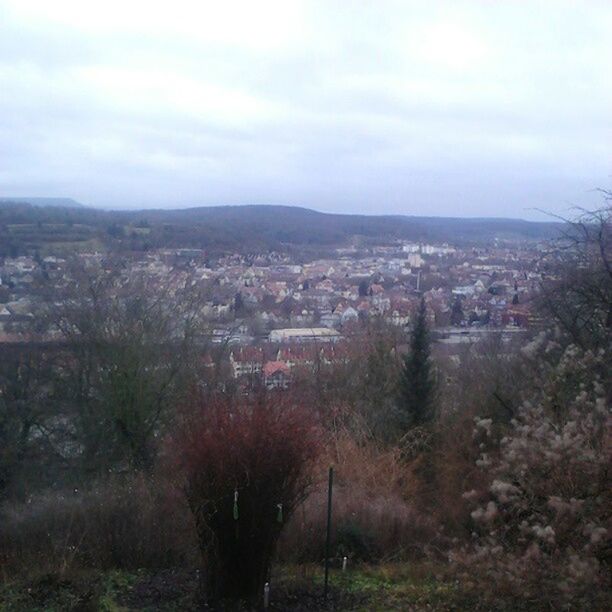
column 425, row 108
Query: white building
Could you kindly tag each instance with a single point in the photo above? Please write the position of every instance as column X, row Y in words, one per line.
column 308, row 334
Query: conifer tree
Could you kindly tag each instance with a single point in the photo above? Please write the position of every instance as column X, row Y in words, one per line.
column 457, row 312
column 417, row 384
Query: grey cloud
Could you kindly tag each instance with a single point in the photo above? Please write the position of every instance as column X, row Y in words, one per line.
column 398, row 107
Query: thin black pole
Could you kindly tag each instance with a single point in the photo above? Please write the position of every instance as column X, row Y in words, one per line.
column 328, row 537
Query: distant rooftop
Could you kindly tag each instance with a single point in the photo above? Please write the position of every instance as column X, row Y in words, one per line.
column 322, row 334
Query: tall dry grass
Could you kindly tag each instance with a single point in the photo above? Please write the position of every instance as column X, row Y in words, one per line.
column 129, row 524
column 373, row 518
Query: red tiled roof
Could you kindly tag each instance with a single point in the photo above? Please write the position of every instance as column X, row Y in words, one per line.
column 247, row 353
column 272, row 367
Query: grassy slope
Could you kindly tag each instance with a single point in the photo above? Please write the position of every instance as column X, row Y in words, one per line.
column 364, row 589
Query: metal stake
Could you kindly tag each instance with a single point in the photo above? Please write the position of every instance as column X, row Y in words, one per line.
column 328, row 537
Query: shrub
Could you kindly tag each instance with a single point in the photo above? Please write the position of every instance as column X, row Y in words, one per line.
column 244, row 466
column 541, row 528
column 365, row 527
column 137, row 523
column 355, row 542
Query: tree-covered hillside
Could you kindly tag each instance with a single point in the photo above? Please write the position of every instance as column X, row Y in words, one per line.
column 26, row 228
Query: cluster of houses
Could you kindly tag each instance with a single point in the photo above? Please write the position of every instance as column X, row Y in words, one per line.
column 17, row 276
column 275, row 363
column 270, row 297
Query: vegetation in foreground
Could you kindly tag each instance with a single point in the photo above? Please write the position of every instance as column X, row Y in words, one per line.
column 381, row 587
column 497, row 498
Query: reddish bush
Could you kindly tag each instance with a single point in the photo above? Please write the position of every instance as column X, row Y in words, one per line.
column 244, row 466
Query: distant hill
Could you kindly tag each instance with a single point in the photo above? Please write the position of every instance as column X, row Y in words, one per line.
column 295, row 225
column 48, row 202
column 27, row 227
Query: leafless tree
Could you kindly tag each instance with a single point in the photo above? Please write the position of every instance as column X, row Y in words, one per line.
column 26, row 376
column 580, row 299
column 132, row 349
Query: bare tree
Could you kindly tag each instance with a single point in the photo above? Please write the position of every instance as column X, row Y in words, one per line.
column 26, row 383
column 132, row 349
column 580, row 299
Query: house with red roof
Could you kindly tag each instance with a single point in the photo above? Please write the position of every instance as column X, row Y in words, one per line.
column 276, row 375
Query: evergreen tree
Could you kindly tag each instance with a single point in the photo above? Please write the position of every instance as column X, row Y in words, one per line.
column 457, row 312
column 238, row 304
column 417, row 385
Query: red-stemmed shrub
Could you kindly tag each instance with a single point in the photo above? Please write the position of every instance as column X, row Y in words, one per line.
column 244, row 466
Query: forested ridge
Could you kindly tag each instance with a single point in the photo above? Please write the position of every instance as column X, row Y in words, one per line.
column 25, row 228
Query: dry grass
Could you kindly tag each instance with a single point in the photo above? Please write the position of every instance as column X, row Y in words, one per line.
column 372, row 517
column 137, row 523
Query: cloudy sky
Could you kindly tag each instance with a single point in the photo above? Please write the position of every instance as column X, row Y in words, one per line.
column 429, row 108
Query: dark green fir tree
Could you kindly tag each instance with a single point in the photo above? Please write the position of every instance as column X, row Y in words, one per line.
column 417, row 381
